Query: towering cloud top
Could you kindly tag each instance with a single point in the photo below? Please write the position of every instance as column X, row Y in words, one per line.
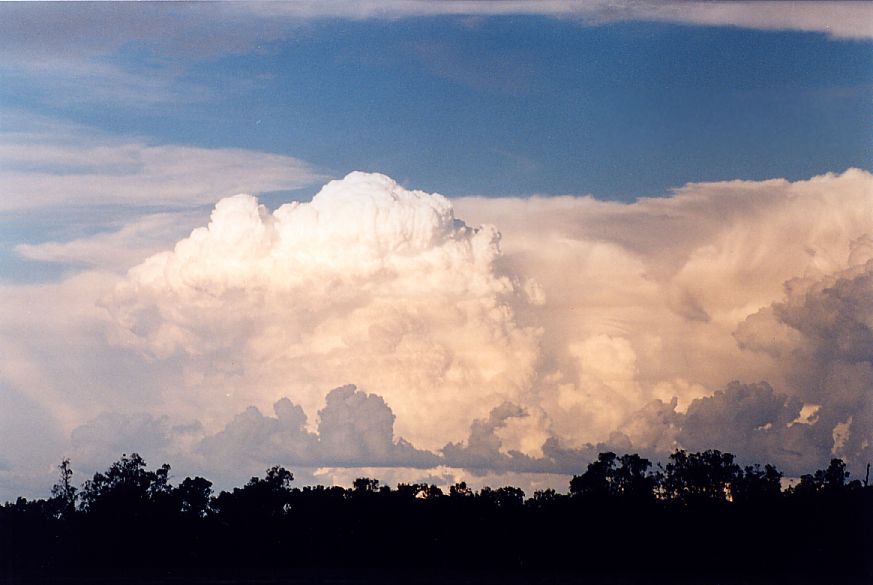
column 367, row 283
column 354, row 227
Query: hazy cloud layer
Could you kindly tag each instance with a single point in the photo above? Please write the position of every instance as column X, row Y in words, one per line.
column 45, row 163
column 586, row 326
column 230, row 27
column 837, row 19
column 122, row 245
column 79, row 53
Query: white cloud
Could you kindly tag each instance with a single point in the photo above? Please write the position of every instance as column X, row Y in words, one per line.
column 377, row 285
column 66, row 78
column 837, row 19
column 48, row 164
column 630, row 271
column 368, row 283
column 606, row 325
column 43, row 31
column 642, row 301
column 128, row 244
column 70, row 54
column 33, row 35
column 851, row 20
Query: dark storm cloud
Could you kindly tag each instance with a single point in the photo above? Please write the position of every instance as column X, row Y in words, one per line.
column 823, row 333
column 355, row 429
column 757, row 423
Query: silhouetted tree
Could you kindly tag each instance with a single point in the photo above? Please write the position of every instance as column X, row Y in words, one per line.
column 193, row 495
column 417, row 491
column 460, row 490
column 130, row 514
column 433, row 492
column 126, row 488
column 260, row 498
column 410, row 491
column 598, row 480
column 632, row 478
column 509, row 497
column 543, row 498
column 835, row 476
column 365, row 485
column 831, row 480
column 757, row 484
column 64, row 492
column 505, row 497
column 700, row 477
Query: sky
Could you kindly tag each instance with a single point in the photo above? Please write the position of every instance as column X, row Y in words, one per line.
column 433, row 241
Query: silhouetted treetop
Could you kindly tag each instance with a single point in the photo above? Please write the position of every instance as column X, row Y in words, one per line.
column 64, row 493
column 619, row 515
column 691, row 478
column 125, row 488
column 627, row 476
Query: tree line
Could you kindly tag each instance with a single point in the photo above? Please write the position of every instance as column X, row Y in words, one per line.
column 699, row 513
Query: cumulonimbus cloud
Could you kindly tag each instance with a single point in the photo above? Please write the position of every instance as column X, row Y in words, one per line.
column 642, row 301
column 821, row 332
column 731, row 315
column 603, row 323
column 369, row 283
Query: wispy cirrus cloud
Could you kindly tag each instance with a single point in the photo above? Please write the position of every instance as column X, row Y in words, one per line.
column 36, row 33
column 74, row 80
column 50, row 163
column 836, row 19
column 119, row 245
column 143, row 56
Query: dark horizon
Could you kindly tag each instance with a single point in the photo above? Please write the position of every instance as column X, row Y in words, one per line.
column 621, row 519
column 439, row 238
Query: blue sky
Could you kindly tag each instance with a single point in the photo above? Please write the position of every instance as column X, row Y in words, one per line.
column 678, row 188
column 488, row 105
column 591, row 100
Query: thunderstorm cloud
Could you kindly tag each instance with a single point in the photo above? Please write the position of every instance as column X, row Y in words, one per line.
column 482, row 335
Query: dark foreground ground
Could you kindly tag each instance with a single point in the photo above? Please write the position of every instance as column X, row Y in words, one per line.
column 702, row 520
column 387, row 577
